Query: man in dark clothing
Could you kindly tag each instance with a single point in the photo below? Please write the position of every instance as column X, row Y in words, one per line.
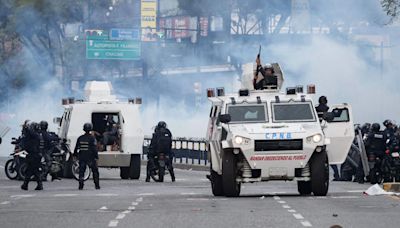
column 323, row 108
column 110, row 136
column 31, row 139
column 46, row 148
column 161, row 142
column 87, row 153
column 389, row 132
column 269, row 79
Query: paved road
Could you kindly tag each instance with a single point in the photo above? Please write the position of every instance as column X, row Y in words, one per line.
column 188, row 203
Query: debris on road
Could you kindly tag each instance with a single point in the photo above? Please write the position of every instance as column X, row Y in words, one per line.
column 376, row 190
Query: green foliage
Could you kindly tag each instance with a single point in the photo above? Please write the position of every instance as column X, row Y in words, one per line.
column 391, row 8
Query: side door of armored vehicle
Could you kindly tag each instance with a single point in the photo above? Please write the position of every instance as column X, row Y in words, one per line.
column 214, row 133
column 340, row 133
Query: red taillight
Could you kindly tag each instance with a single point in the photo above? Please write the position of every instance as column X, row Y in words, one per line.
column 387, row 151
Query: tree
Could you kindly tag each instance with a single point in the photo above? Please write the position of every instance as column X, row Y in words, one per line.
column 391, row 8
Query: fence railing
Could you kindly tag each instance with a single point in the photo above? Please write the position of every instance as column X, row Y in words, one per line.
column 186, row 150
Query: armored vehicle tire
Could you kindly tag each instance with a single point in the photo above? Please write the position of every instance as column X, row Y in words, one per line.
column 134, row 170
column 124, row 172
column 304, row 187
column 319, row 173
column 229, row 170
column 216, row 183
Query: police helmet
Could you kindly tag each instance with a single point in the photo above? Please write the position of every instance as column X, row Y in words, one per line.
column 87, row 127
column 375, row 127
column 33, row 126
column 388, row 122
column 161, row 124
column 269, row 67
column 44, row 125
column 323, row 100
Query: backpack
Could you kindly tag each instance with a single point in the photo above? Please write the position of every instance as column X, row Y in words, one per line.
column 164, row 140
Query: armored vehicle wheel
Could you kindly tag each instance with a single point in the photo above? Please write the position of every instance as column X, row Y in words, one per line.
column 216, row 183
column 124, row 173
column 229, row 171
column 134, row 169
column 304, row 187
column 319, row 173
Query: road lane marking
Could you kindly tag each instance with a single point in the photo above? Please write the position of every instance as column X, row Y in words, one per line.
column 5, row 203
column 286, row 206
column 113, row 223
column 64, row 195
column 106, row 194
column 21, row 196
column 197, row 199
column 291, row 211
column 281, row 201
column 10, row 186
column 126, row 212
column 146, row 194
column 135, row 203
column 277, row 198
column 139, row 199
column 306, row 223
column 120, row 216
column 189, row 193
column 298, row 216
column 1, row 166
column 132, row 208
column 103, row 208
column 345, row 197
column 356, row 191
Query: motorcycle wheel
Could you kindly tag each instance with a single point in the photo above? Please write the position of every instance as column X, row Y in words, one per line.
column 22, row 170
column 11, row 169
column 75, row 171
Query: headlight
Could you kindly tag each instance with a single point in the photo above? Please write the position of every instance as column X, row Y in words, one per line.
column 317, row 138
column 239, row 140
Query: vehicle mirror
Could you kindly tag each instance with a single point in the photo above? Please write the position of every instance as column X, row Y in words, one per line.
column 328, row 116
column 56, row 120
column 225, row 118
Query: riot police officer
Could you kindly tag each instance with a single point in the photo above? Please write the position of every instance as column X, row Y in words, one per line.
column 389, row 132
column 160, row 142
column 375, row 147
column 87, row 153
column 31, row 140
column 46, row 146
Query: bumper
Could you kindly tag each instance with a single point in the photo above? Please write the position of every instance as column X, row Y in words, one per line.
column 114, row 159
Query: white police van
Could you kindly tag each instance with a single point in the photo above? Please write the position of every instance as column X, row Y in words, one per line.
column 99, row 106
column 265, row 135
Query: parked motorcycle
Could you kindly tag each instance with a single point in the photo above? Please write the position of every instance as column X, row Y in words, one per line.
column 18, row 158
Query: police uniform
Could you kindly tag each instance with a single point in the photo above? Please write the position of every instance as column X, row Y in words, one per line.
column 31, row 140
column 88, row 155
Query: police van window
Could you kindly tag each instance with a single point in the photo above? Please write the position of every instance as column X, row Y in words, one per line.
column 293, row 112
column 248, row 113
column 341, row 115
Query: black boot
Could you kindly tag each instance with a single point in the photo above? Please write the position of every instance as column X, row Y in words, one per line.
column 39, row 186
column 97, row 185
column 80, row 185
column 147, row 179
column 172, row 175
column 24, row 186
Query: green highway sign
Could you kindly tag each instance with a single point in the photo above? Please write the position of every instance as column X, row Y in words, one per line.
column 99, row 47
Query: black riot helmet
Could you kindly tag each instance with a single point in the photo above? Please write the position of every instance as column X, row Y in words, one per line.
column 161, row 124
column 323, row 100
column 34, row 127
column 87, row 127
column 387, row 123
column 44, row 125
column 375, row 127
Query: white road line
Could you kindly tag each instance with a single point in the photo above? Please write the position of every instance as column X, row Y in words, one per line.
column 281, row 201
column 106, row 194
column 103, row 208
column 139, row 199
column 120, row 216
column 64, row 195
column 286, row 206
column 356, row 191
column 10, row 186
column 146, row 194
column 277, row 198
column 5, row 203
column 189, row 193
column 132, row 208
column 197, row 199
column 126, row 212
column 113, row 223
column 291, row 211
column 1, row 166
column 345, row 197
column 135, row 203
column 306, row 223
column 298, row 216
column 21, row 196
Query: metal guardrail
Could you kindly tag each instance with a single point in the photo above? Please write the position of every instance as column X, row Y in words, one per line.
column 187, row 150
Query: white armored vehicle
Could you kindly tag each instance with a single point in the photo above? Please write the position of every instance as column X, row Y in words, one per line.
column 265, row 135
column 100, row 108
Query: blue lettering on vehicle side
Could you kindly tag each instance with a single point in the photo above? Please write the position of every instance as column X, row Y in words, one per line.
column 289, row 135
column 267, row 136
column 281, row 135
column 274, row 135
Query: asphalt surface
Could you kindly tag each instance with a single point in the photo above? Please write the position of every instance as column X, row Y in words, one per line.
column 188, row 203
